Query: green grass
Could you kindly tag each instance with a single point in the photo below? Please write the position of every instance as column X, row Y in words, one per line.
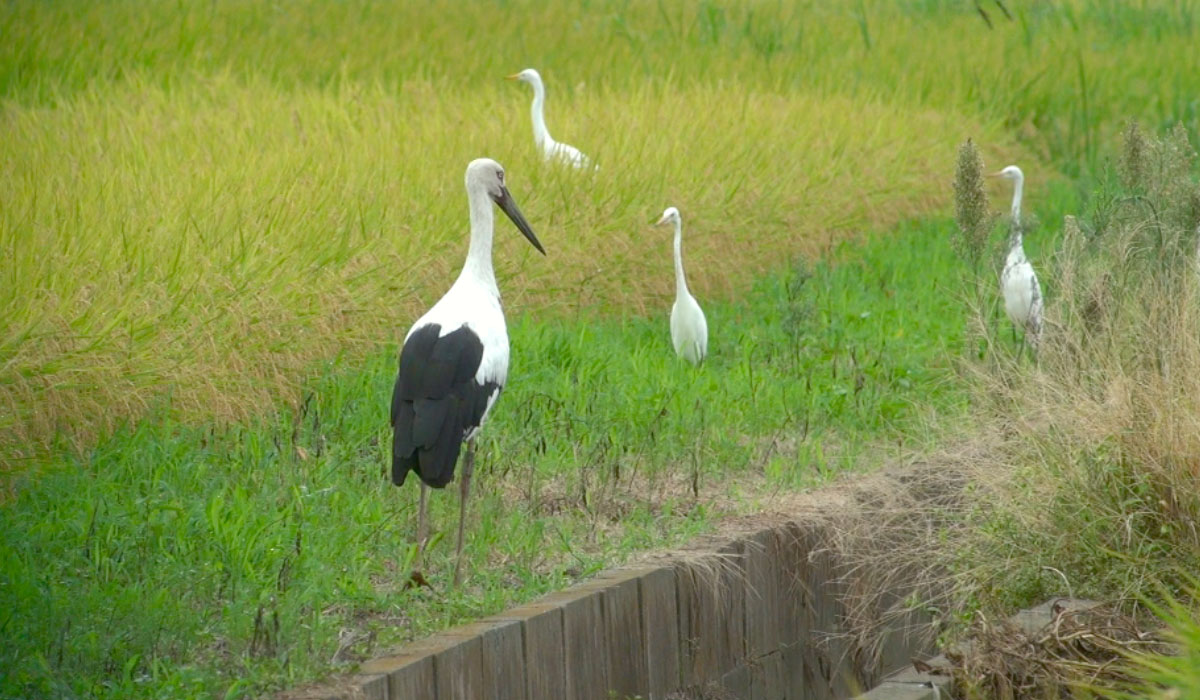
column 192, row 560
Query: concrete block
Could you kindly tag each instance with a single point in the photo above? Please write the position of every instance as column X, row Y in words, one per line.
column 626, row 650
column 763, row 600
column 904, row 638
column 409, row 672
column 660, row 631
column 901, row 691
column 792, row 658
column 699, row 634
column 370, row 686
column 1032, row 620
column 710, row 589
column 733, row 576
column 458, row 667
column 545, row 658
column 818, row 672
column 912, row 676
column 768, row 680
column 504, row 661
column 737, row 682
column 792, row 545
column 831, row 667
column 585, row 647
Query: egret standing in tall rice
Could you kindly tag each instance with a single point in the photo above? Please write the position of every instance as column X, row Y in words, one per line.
column 1018, row 281
column 551, row 149
column 455, row 359
column 689, row 329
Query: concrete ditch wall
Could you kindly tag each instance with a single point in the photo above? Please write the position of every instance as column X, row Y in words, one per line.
column 756, row 616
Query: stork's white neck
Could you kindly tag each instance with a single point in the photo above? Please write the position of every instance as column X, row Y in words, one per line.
column 478, row 267
column 681, row 288
column 541, row 135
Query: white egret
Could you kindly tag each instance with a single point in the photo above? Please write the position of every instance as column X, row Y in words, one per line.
column 551, row 149
column 1018, row 281
column 689, row 329
column 455, row 359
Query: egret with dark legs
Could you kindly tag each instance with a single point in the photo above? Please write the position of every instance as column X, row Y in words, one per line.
column 1018, row 282
column 551, row 149
column 689, row 329
column 455, row 360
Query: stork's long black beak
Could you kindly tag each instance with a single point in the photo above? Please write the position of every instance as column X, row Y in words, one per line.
column 509, row 205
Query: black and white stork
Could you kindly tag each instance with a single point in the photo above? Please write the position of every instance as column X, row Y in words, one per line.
column 455, row 359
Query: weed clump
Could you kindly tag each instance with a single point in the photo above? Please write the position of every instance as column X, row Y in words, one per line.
column 1106, row 431
column 1087, row 646
column 1133, row 165
column 1091, row 486
column 970, row 205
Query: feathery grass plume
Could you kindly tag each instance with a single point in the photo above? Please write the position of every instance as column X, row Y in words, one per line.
column 971, row 205
column 1178, row 190
column 1160, row 193
column 1132, row 165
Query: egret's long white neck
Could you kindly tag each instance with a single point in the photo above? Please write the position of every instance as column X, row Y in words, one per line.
column 479, row 256
column 541, row 134
column 1018, row 187
column 681, row 287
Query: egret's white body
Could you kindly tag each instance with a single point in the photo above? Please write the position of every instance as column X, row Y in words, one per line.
column 551, row 149
column 1018, row 282
column 689, row 329
column 454, row 361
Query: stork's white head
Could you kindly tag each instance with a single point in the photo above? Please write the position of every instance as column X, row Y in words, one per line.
column 670, row 214
column 528, row 75
column 1012, row 172
column 487, row 176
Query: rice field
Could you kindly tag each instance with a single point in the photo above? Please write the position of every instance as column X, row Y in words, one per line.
column 220, row 219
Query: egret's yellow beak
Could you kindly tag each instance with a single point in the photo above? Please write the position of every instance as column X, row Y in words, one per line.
column 514, row 76
column 998, row 173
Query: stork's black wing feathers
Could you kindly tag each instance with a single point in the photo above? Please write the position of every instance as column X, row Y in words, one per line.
column 436, row 402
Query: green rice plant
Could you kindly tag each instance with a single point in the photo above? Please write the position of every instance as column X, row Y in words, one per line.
column 207, row 199
column 214, row 240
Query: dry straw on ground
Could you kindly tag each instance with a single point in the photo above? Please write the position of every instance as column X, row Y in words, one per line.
column 1080, row 648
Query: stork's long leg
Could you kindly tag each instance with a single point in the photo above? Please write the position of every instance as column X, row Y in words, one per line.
column 422, row 521
column 468, row 467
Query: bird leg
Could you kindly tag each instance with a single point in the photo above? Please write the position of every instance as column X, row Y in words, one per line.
column 422, row 521
column 468, row 467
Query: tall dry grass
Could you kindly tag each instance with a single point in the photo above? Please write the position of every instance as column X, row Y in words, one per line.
column 1080, row 475
column 1095, row 490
